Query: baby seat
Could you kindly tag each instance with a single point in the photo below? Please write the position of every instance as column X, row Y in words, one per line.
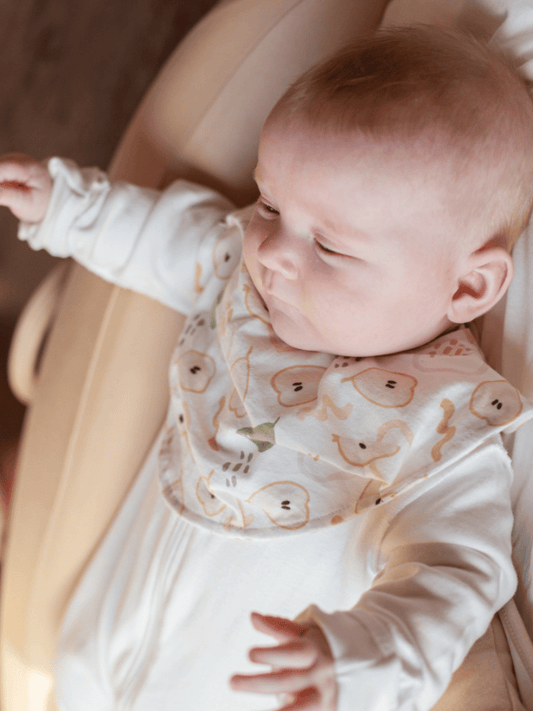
column 100, row 395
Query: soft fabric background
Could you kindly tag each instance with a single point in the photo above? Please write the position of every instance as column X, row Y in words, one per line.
column 72, row 74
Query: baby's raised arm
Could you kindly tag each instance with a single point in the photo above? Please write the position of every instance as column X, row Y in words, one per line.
column 25, row 186
column 135, row 237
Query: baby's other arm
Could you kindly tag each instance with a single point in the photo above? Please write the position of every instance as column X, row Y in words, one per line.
column 25, row 186
column 443, row 567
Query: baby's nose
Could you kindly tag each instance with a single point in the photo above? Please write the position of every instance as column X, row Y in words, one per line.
column 278, row 253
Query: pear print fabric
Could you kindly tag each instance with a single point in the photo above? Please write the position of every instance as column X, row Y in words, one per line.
column 265, row 440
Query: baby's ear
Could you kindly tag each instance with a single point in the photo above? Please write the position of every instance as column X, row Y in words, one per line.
column 488, row 273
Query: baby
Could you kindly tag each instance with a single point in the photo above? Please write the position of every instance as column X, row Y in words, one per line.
column 324, row 383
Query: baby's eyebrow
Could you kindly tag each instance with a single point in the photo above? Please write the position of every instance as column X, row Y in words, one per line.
column 345, row 230
column 257, row 177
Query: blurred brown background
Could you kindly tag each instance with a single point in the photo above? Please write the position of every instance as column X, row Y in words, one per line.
column 72, row 73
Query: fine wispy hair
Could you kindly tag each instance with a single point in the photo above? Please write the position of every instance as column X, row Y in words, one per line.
column 443, row 92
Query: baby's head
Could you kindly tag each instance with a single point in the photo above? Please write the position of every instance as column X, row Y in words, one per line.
column 394, row 180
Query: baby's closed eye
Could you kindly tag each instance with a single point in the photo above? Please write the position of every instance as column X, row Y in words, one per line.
column 326, row 249
column 265, row 209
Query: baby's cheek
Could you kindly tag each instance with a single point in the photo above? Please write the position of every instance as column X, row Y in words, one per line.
column 324, row 305
column 249, row 252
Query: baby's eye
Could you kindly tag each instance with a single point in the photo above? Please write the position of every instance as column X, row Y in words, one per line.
column 325, row 249
column 265, row 207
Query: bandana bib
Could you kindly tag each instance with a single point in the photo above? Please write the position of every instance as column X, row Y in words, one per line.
column 266, row 440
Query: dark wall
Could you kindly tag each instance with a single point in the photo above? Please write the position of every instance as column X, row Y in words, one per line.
column 71, row 74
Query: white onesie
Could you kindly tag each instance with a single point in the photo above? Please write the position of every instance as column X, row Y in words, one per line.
column 393, row 464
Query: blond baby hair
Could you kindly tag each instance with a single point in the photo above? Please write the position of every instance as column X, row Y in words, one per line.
column 437, row 88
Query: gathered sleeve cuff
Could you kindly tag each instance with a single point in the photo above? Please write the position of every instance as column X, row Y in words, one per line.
column 139, row 238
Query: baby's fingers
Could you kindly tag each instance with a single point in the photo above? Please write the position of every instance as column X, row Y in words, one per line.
column 298, row 653
column 13, row 194
column 19, row 168
column 24, row 203
column 25, row 186
column 306, row 700
column 278, row 627
column 284, row 681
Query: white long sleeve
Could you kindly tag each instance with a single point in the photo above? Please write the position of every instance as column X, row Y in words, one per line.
column 443, row 570
column 138, row 238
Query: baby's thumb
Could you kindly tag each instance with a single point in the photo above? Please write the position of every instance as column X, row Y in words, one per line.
column 23, row 204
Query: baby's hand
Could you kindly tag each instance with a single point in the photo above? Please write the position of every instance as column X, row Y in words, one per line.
column 25, row 186
column 303, row 666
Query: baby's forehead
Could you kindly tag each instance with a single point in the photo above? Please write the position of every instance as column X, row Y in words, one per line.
column 430, row 151
column 421, row 145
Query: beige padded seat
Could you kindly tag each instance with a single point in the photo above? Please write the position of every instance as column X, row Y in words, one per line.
column 101, row 392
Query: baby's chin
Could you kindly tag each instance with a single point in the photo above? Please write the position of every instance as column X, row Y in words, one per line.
column 291, row 338
column 313, row 343
column 295, row 338
column 292, row 328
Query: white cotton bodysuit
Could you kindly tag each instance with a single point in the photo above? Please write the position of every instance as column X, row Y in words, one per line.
column 372, row 495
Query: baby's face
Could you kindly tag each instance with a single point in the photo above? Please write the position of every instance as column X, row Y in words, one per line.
column 352, row 244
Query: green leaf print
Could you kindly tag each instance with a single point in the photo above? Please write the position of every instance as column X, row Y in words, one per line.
column 262, row 435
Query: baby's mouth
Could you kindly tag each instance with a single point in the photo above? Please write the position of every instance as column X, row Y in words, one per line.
column 269, row 291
